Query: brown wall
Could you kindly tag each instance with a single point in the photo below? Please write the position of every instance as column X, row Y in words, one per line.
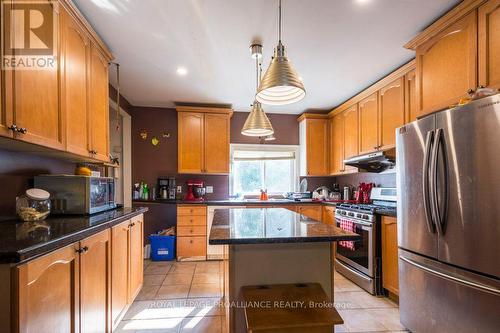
column 16, row 172
column 150, row 162
column 286, row 129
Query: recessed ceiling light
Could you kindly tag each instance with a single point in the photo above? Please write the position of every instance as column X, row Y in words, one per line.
column 363, row 1
column 182, row 71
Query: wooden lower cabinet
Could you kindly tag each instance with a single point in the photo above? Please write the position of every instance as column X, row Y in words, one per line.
column 95, row 283
column 311, row 211
column 119, row 270
column 46, row 293
column 136, row 256
column 328, row 215
column 390, row 279
column 191, row 232
column 191, row 247
column 83, row 287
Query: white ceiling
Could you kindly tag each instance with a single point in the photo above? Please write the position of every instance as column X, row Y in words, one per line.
column 338, row 47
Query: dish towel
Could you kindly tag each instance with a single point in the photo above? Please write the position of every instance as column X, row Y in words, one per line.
column 347, row 226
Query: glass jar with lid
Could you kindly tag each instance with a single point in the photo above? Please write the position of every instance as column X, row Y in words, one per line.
column 34, row 205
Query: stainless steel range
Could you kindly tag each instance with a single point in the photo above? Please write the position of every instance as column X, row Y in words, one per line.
column 360, row 261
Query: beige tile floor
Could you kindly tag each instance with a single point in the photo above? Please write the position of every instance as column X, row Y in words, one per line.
column 184, row 297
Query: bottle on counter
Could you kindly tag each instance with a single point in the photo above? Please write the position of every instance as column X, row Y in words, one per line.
column 145, row 192
column 136, row 191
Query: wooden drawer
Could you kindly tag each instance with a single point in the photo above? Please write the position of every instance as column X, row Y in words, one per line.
column 313, row 212
column 329, row 215
column 188, row 221
column 192, row 231
column 192, row 210
column 191, row 246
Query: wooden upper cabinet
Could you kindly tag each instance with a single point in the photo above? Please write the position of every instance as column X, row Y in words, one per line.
column 447, row 65
column 95, row 283
column 314, row 136
column 136, row 256
column 190, row 142
column 47, row 289
column 368, row 124
column 336, row 144
column 410, row 96
column 99, row 105
column 203, row 142
column 36, row 106
column 351, row 134
column 5, row 117
column 489, row 44
column 216, row 130
column 75, row 52
column 391, row 113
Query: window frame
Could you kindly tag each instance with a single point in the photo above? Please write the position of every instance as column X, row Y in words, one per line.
column 263, row 147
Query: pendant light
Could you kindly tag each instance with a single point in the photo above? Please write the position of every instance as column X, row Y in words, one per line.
column 257, row 123
column 281, row 85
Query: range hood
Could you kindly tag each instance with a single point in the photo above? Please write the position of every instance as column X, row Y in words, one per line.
column 373, row 162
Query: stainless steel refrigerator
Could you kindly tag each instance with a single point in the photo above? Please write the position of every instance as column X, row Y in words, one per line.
column 448, row 179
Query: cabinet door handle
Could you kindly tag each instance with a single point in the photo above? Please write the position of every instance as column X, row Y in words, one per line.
column 191, row 241
column 22, row 130
column 13, row 128
column 83, row 250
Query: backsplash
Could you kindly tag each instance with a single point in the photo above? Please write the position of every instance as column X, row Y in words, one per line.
column 380, row 180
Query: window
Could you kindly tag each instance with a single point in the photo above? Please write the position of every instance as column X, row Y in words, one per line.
column 256, row 167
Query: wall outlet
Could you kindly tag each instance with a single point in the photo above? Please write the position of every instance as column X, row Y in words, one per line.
column 179, row 189
column 210, row 189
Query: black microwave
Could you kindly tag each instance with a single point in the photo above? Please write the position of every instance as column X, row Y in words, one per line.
column 71, row 194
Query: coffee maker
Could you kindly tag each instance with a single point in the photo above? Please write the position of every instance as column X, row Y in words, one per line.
column 166, row 188
column 195, row 190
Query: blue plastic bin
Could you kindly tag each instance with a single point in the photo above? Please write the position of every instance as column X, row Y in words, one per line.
column 162, row 247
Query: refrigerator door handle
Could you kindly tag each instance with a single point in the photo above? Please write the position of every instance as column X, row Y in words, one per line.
column 453, row 278
column 425, row 186
column 439, row 213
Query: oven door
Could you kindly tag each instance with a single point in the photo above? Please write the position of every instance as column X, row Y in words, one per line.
column 102, row 192
column 358, row 254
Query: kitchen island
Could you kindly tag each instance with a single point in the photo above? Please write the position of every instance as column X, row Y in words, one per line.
column 270, row 246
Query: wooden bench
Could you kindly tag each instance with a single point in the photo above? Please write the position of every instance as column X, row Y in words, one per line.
column 290, row 308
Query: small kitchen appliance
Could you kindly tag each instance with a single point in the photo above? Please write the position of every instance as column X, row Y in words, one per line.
column 195, row 190
column 360, row 261
column 73, row 194
column 166, row 188
column 163, row 188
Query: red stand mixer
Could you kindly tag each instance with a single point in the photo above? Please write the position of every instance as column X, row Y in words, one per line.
column 195, row 190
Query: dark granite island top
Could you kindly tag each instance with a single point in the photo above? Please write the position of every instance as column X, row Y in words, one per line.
column 21, row 241
column 269, row 226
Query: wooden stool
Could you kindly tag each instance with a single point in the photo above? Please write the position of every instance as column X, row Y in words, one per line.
column 287, row 308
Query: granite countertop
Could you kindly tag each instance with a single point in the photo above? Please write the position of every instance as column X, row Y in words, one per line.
column 21, row 241
column 239, row 202
column 271, row 225
column 236, row 202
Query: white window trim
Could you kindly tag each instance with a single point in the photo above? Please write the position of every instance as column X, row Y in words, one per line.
column 261, row 147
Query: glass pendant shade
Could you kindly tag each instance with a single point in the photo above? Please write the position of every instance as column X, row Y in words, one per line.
column 281, row 84
column 257, row 123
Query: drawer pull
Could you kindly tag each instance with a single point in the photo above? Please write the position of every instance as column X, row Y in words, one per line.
column 191, row 241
